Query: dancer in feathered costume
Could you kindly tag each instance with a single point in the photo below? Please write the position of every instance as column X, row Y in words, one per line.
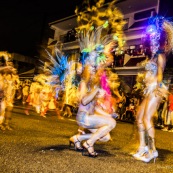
column 8, row 80
column 68, row 80
column 158, row 42
column 58, row 69
column 99, row 34
column 70, row 99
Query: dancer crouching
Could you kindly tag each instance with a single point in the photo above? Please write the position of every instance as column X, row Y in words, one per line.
column 90, row 114
column 97, row 40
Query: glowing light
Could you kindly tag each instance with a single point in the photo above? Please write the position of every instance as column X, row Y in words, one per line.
column 115, row 37
column 105, row 25
column 151, row 29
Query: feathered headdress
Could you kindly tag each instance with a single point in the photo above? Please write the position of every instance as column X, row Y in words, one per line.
column 59, row 64
column 159, row 34
column 56, row 64
column 97, row 28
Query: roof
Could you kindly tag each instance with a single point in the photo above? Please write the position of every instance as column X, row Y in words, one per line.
column 139, row 24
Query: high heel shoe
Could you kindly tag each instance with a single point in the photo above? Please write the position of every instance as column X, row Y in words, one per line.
column 141, row 151
column 89, row 149
column 148, row 157
column 75, row 144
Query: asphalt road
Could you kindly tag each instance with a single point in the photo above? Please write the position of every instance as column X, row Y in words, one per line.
column 41, row 145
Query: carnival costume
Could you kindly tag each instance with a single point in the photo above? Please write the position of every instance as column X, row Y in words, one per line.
column 159, row 39
column 8, row 81
column 96, row 45
column 42, row 92
column 60, row 80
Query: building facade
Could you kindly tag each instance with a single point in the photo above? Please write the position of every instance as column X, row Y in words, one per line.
column 136, row 14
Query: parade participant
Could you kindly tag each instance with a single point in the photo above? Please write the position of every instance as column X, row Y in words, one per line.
column 46, row 91
column 34, row 97
column 70, row 98
column 65, row 87
column 58, row 94
column 98, row 38
column 56, row 69
column 9, row 92
column 159, row 40
column 56, row 101
column 2, row 102
column 8, row 83
column 45, row 96
column 25, row 90
column 90, row 115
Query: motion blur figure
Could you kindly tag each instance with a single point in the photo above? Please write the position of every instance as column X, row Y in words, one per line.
column 8, row 79
column 25, row 90
column 92, row 113
column 98, row 38
column 2, row 102
column 158, row 41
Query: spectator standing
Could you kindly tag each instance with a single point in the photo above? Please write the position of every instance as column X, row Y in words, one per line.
column 169, row 117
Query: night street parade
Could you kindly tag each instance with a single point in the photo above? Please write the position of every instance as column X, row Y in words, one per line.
column 89, row 90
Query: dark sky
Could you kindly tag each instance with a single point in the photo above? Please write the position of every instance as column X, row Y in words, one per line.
column 22, row 22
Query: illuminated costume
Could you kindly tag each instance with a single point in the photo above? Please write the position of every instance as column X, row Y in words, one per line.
column 150, row 77
column 42, row 93
column 70, row 99
column 159, row 39
column 56, row 69
column 8, row 82
column 96, row 111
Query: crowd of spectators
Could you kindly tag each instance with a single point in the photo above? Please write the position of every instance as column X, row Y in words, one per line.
column 126, row 106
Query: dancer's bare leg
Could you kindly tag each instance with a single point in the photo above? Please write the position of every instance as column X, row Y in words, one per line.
column 142, row 149
column 104, row 125
column 151, row 107
column 140, row 123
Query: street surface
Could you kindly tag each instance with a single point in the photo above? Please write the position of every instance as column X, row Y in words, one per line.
column 41, row 145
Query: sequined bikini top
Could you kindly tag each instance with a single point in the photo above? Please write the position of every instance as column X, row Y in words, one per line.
column 151, row 65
